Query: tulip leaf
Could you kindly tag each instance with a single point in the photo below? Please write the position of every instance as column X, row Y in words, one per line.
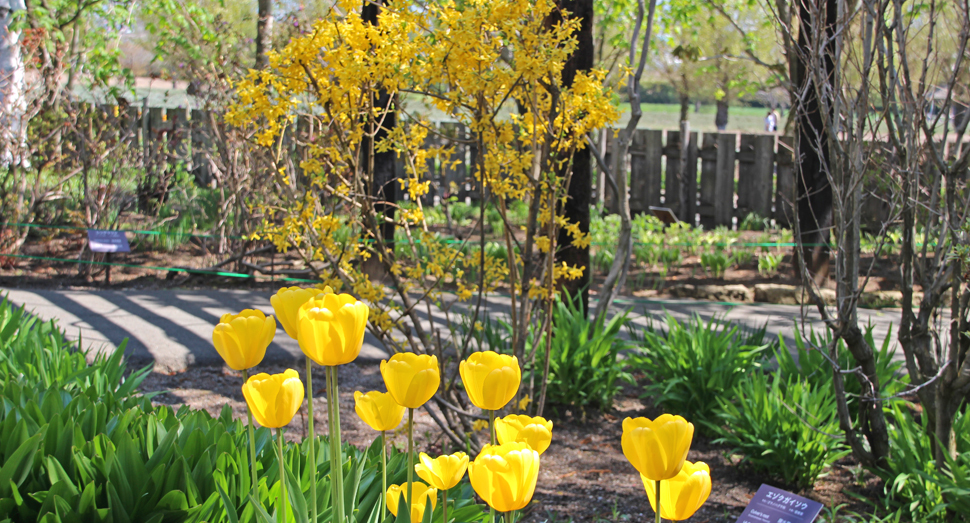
column 261, row 513
column 295, row 493
column 227, row 503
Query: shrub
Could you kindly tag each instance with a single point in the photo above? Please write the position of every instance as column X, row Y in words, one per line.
column 693, row 362
column 782, row 427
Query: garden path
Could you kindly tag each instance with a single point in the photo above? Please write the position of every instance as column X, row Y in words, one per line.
column 173, row 328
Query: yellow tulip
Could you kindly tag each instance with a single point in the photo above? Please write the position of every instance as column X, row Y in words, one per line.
column 443, row 472
column 241, row 339
column 332, row 328
column 422, row 494
column 683, row 494
column 658, row 448
column 491, row 379
column 505, row 475
column 274, row 399
column 536, row 432
column 286, row 303
column 378, row 409
column 411, row 379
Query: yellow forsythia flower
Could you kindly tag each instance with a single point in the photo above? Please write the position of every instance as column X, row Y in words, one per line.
column 658, row 448
column 378, row 410
column 332, row 328
column 274, row 399
column 443, row 472
column 422, row 495
column 683, row 494
column 411, row 379
column 491, row 379
column 533, row 431
column 241, row 339
column 286, row 303
column 479, row 424
column 505, row 475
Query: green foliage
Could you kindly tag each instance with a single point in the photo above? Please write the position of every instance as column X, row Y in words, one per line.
column 603, row 260
column 715, row 263
column 814, row 366
column 768, row 264
column 782, row 425
column 742, row 257
column 754, row 222
column 693, row 362
column 79, row 446
column 917, row 488
column 585, row 369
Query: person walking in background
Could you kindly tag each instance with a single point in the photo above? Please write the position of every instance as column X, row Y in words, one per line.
column 771, row 122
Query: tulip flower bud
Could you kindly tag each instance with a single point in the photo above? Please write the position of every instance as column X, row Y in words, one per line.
column 241, row 339
column 533, row 431
column 491, row 379
column 658, row 448
column 378, row 410
column 505, row 475
column 286, row 303
column 411, row 379
column 331, row 328
column 274, row 399
column 682, row 495
column 423, row 494
column 443, row 472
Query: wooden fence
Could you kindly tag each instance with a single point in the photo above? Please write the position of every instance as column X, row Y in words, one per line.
column 730, row 174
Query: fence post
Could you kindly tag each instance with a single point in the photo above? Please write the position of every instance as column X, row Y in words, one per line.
column 785, row 192
column 645, row 174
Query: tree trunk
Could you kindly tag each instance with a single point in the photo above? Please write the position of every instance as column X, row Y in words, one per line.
column 576, row 207
column 814, row 194
column 264, row 32
column 684, row 196
column 721, row 118
column 380, row 174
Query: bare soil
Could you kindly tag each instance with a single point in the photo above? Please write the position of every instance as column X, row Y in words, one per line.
column 584, row 476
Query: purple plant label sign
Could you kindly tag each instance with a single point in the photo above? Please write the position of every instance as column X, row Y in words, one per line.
column 107, row 241
column 773, row 505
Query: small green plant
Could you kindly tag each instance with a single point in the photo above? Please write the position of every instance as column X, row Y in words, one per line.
column 646, row 254
column 754, row 222
column 692, row 362
column 742, row 257
column 715, row 263
column 603, row 260
column 782, row 426
column 670, row 257
column 768, row 264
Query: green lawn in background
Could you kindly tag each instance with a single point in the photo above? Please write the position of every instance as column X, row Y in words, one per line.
column 667, row 116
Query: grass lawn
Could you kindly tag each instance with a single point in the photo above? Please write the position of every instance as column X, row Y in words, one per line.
column 667, row 116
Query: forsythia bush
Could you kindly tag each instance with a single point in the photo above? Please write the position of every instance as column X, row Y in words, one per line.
column 351, row 90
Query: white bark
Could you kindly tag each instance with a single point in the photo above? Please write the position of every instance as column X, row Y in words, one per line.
column 13, row 105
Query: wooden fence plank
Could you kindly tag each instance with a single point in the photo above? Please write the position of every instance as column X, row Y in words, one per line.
column 672, row 181
column 755, row 168
column 645, row 176
column 785, row 186
column 724, row 179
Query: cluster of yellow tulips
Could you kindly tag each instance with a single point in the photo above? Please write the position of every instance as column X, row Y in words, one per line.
column 330, row 329
column 658, row 450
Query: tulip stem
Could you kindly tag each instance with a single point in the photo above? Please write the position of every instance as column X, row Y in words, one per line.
column 336, row 460
column 494, row 440
column 444, row 506
column 313, row 442
column 383, row 475
column 252, row 442
column 658, row 502
column 279, row 438
column 410, row 498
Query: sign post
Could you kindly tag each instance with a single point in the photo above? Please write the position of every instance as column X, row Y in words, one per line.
column 107, row 242
column 773, row 505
